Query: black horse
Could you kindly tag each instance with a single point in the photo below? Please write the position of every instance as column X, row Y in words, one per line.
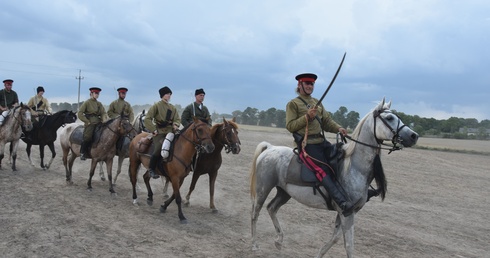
column 44, row 133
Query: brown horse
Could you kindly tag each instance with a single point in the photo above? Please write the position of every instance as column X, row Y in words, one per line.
column 224, row 135
column 103, row 148
column 196, row 135
column 17, row 119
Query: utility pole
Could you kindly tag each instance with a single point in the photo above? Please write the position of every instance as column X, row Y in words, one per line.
column 79, row 78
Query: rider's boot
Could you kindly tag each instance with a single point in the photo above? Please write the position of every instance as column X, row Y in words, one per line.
column 372, row 193
column 83, row 150
column 337, row 196
column 152, row 166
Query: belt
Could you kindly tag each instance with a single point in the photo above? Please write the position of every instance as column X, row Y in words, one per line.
column 313, row 136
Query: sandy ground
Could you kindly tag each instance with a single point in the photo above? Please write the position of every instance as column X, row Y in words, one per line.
column 437, row 206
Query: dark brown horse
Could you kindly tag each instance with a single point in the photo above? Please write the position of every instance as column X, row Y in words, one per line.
column 196, row 135
column 225, row 136
column 103, row 148
column 44, row 133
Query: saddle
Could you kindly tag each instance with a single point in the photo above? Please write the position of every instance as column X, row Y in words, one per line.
column 146, row 147
column 77, row 135
column 307, row 177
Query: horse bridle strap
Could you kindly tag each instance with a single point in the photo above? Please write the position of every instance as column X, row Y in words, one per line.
column 198, row 144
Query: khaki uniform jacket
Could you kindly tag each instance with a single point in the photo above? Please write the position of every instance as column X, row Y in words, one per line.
column 161, row 117
column 92, row 112
column 8, row 99
column 296, row 119
column 119, row 105
column 40, row 104
column 194, row 110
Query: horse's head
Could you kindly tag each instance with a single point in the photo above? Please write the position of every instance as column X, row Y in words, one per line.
column 201, row 135
column 125, row 127
column 228, row 136
column 25, row 116
column 70, row 117
column 391, row 127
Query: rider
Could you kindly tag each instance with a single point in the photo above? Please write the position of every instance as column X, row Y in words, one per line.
column 39, row 103
column 162, row 118
column 303, row 115
column 91, row 113
column 196, row 109
column 118, row 107
column 8, row 99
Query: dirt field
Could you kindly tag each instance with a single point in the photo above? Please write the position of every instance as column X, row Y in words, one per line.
column 437, row 206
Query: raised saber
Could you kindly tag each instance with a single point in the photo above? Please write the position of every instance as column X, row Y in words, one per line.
column 331, row 83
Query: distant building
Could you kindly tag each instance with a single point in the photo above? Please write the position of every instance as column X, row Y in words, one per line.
column 473, row 131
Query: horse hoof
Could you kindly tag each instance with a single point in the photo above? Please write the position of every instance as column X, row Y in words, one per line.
column 135, row 202
column 69, row 182
column 214, row 210
column 186, row 204
column 89, row 189
column 255, row 247
column 166, row 196
column 102, row 178
column 163, row 209
column 278, row 245
column 183, row 221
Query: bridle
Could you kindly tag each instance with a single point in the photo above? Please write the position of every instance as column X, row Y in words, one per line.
column 197, row 143
column 228, row 144
column 395, row 140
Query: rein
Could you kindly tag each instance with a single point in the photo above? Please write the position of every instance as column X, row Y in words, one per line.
column 227, row 143
column 197, row 145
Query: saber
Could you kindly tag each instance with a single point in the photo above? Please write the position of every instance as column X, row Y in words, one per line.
column 331, row 83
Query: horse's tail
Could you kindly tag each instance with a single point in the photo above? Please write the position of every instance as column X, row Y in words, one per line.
column 379, row 176
column 260, row 148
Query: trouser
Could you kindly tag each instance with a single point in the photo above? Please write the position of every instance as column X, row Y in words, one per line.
column 157, row 148
column 88, row 133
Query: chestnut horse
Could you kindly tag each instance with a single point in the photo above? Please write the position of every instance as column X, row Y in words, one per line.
column 224, row 135
column 103, row 148
column 17, row 119
column 196, row 136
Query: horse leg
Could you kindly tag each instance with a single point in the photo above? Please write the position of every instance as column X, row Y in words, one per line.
column 165, row 183
column 146, row 179
column 101, row 170
column 41, row 153
column 195, row 177
column 178, row 200
column 53, row 154
column 120, row 160
column 347, row 224
column 212, row 180
column 109, row 174
column 28, row 150
column 13, row 153
column 280, row 199
column 333, row 240
column 133, row 174
column 93, row 166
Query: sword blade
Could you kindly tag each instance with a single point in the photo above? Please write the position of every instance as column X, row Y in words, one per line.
column 333, row 80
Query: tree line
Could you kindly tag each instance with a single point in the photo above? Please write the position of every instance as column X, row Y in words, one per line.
column 454, row 127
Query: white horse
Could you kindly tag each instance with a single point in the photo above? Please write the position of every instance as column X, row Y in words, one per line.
column 18, row 118
column 277, row 167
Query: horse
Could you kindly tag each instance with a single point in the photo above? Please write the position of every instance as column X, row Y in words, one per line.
column 224, row 135
column 123, row 152
column 194, row 137
column 17, row 119
column 44, row 133
column 278, row 167
column 103, row 148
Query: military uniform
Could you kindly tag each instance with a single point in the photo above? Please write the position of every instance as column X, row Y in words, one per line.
column 8, row 99
column 91, row 113
column 317, row 147
column 119, row 106
column 194, row 109
column 40, row 104
column 160, row 118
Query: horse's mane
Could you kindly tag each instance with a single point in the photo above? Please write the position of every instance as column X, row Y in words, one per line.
column 218, row 125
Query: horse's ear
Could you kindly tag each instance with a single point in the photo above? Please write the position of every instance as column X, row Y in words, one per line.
column 224, row 120
column 388, row 105
column 233, row 119
column 143, row 112
column 381, row 105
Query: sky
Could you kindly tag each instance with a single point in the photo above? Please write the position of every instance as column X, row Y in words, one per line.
column 430, row 58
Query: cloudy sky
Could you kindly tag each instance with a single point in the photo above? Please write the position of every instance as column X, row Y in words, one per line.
column 431, row 57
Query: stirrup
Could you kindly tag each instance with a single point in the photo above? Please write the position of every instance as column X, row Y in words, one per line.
column 153, row 175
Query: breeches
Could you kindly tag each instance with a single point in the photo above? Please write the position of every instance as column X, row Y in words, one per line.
column 88, row 132
column 157, row 144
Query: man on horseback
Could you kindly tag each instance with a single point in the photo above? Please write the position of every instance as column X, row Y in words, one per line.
column 118, row 107
column 91, row 113
column 39, row 103
column 162, row 118
column 8, row 99
column 305, row 116
column 196, row 109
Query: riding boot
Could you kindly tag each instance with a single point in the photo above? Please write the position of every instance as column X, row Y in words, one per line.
column 152, row 166
column 337, row 196
column 83, row 150
column 372, row 193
